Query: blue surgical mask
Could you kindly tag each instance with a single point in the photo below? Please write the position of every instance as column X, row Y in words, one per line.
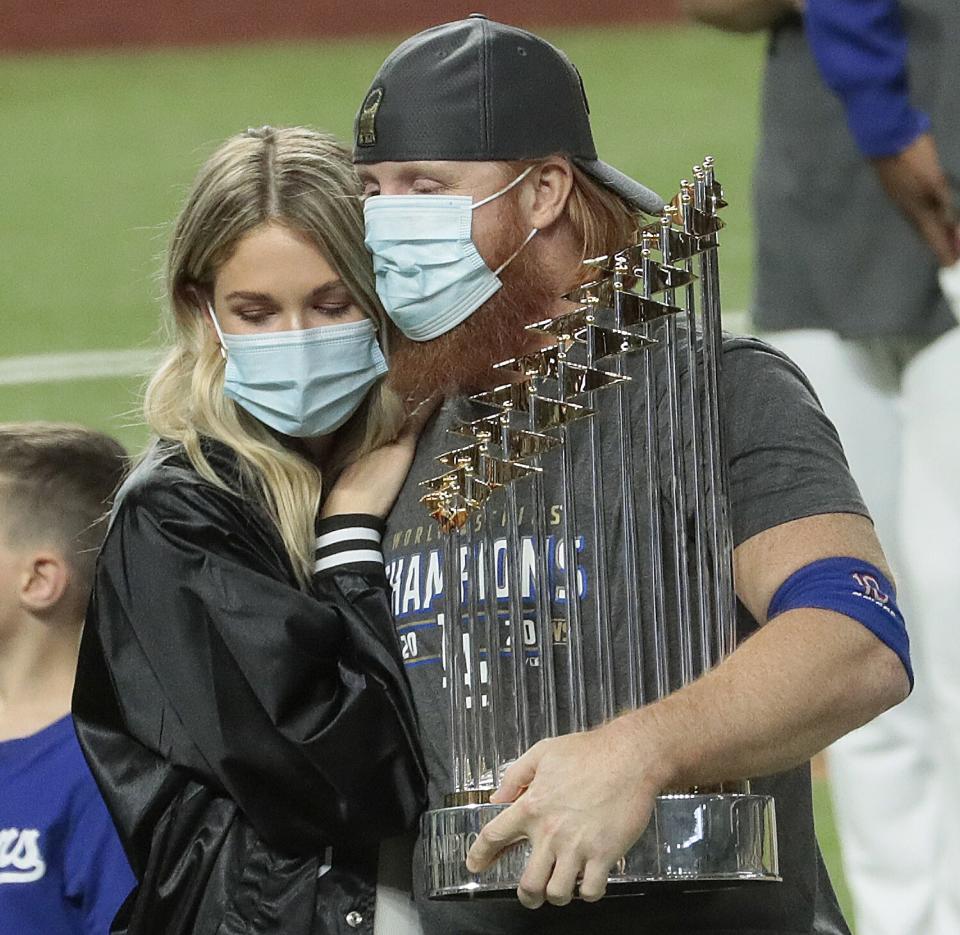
column 302, row 383
column 430, row 276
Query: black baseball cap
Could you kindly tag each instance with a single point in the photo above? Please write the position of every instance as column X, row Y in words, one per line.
column 478, row 90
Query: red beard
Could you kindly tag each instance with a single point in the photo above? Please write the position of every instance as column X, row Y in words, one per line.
column 461, row 361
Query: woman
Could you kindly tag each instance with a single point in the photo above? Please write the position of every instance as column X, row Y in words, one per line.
column 240, row 695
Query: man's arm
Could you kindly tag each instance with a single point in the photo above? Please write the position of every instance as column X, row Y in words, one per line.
column 803, row 680
column 861, row 52
column 740, row 15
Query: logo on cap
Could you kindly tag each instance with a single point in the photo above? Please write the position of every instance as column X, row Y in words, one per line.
column 366, row 122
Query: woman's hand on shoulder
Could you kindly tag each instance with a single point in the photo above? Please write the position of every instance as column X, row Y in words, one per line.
column 372, row 483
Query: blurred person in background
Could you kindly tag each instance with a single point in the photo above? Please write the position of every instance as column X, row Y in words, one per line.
column 240, row 695
column 484, row 195
column 62, row 867
column 855, row 190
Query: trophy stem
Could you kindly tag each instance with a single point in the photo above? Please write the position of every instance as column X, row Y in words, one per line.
column 578, row 691
column 655, row 539
column 703, row 583
column 475, row 738
column 702, row 564
column 678, row 498
column 717, row 502
column 601, row 585
column 515, row 595
column 636, row 694
column 548, row 679
column 491, row 634
column 452, row 651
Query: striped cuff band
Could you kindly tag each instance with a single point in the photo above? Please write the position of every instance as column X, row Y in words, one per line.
column 348, row 539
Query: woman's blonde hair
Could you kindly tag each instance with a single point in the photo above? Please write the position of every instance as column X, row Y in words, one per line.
column 304, row 180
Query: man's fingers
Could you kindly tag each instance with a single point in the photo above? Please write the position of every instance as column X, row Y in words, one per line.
column 574, row 816
column 594, row 882
column 504, row 830
column 563, row 880
column 533, row 884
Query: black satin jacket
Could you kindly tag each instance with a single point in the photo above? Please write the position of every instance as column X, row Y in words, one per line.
column 253, row 741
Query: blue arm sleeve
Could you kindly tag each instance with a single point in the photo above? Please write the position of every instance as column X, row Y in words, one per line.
column 854, row 588
column 861, row 51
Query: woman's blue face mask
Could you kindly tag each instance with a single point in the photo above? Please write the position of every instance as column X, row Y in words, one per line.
column 430, row 275
column 302, row 383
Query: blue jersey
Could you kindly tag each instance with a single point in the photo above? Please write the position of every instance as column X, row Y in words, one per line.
column 62, row 869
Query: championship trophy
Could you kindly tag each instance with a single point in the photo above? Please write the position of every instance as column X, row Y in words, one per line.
column 645, row 334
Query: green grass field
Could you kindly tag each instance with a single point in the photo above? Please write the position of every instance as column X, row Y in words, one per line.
column 101, row 148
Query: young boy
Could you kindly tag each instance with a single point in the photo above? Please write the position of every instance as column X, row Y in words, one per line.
column 62, row 869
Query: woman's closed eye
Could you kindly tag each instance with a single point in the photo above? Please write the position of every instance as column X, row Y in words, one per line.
column 253, row 316
column 334, row 309
column 331, row 301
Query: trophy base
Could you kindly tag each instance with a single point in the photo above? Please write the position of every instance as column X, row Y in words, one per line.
column 693, row 841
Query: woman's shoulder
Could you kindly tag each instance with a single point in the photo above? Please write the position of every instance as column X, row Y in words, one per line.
column 167, row 482
column 167, row 504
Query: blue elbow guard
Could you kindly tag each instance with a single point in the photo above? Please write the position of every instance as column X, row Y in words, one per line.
column 853, row 588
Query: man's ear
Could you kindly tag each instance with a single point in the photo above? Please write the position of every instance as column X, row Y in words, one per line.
column 544, row 196
column 44, row 581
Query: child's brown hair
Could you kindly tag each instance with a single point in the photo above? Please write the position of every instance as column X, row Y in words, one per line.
column 57, row 483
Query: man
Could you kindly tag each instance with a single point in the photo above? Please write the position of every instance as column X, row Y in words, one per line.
column 848, row 257
column 484, row 195
column 62, row 868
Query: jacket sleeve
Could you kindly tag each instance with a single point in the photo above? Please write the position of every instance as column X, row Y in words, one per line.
column 296, row 703
column 861, row 51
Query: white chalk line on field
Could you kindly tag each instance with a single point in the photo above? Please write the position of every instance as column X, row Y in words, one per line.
column 64, row 367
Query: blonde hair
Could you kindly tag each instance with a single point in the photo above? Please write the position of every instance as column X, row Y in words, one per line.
column 306, row 181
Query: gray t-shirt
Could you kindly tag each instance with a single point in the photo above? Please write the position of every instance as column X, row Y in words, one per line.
column 785, row 462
